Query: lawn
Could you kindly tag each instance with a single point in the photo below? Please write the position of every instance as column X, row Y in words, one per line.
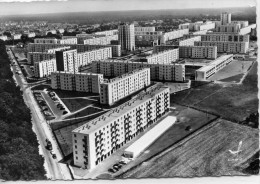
column 205, row 154
column 233, row 102
column 71, row 94
column 77, row 103
column 85, row 112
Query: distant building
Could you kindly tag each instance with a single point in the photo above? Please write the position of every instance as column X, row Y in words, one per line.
column 166, row 56
column 198, row 52
column 225, row 37
column 105, row 40
column 66, row 61
column 16, row 36
column 225, row 18
column 126, row 36
column 3, row 37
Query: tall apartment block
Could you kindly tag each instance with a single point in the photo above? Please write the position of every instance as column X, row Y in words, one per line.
column 117, row 88
column 226, row 46
column 113, row 68
column 104, row 40
column 56, row 41
column 198, row 26
column 173, row 35
column 107, row 33
column 228, row 28
column 189, row 41
column 84, row 82
column 44, row 68
column 67, row 61
column 166, row 56
column 98, row 139
column 225, row 18
column 126, row 36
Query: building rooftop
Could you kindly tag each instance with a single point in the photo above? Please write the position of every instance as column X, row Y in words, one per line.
column 111, row 115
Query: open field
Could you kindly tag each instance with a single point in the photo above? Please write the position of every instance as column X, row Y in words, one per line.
column 233, row 101
column 205, row 154
column 77, row 103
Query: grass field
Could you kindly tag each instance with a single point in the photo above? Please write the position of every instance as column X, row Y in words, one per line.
column 234, row 102
column 85, row 112
column 77, row 103
column 206, row 154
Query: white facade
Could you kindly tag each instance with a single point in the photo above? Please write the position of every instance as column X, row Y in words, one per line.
column 198, row 26
column 98, row 139
column 16, row 36
column 84, row 82
column 44, row 68
column 4, row 38
column 225, row 46
column 173, row 35
column 225, row 18
column 105, row 40
column 107, row 33
column 67, row 60
column 46, row 40
column 117, row 88
column 207, row 71
column 166, row 56
column 148, row 138
column 247, row 30
column 228, row 28
column 209, row 52
column 144, row 29
column 189, row 41
column 175, row 72
column 34, row 57
column 126, row 37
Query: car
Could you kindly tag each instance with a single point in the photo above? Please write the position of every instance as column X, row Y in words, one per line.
column 117, row 166
column 111, row 170
column 64, row 112
column 122, row 162
column 59, row 105
column 62, row 108
column 54, row 156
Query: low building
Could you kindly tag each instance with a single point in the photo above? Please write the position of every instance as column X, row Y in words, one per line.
column 84, row 82
column 226, row 46
column 118, row 88
column 213, row 67
column 148, row 138
column 16, row 36
column 3, row 37
column 96, row 140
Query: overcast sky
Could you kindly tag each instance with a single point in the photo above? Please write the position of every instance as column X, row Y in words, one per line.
column 15, row 7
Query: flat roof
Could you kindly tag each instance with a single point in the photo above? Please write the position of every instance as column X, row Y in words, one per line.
column 113, row 114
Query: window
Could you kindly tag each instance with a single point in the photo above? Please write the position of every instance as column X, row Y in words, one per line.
column 76, row 158
column 75, row 146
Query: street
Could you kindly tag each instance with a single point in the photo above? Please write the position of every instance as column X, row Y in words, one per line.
column 54, row 169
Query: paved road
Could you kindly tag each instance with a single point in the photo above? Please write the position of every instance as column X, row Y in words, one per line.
column 54, row 169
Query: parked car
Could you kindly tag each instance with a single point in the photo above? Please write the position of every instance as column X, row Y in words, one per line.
column 64, row 112
column 122, row 162
column 111, row 170
column 54, row 156
column 117, row 166
column 62, row 108
column 59, row 105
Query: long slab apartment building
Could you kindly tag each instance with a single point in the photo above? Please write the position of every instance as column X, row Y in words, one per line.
column 158, row 72
column 210, row 69
column 113, row 90
column 41, row 66
column 98, row 139
column 69, row 81
column 196, row 52
column 36, row 47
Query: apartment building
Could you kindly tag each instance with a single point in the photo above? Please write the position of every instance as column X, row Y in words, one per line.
column 209, row 70
column 61, row 31
column 33, row 47
column 202, row 32
column 55, row 41
column 198, row 26
column 225, row 18
column 3, row 37
column 166, row 56
column 68, row 41
column 113, row 68
column 228, row 28
column 242, row 23
column 126, row 36
column 144, row 29
column 53, row 51
column 84, row 82
column 184, row 26
column 98, row 139
column 67, row 60
column 107, row 33
column 104, row 40
column 225, row 37
column 16, row 36
column 189, row 41
column 44, row 68
column 87, row 57
column 226, row 46
column 34, row 57
column 209, row 52
column 117, row 88
column 30, row 34
column 247, row 30
column 173, row 35
column 53, row 31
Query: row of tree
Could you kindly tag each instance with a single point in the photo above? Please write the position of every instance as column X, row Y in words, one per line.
column 19, row 154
